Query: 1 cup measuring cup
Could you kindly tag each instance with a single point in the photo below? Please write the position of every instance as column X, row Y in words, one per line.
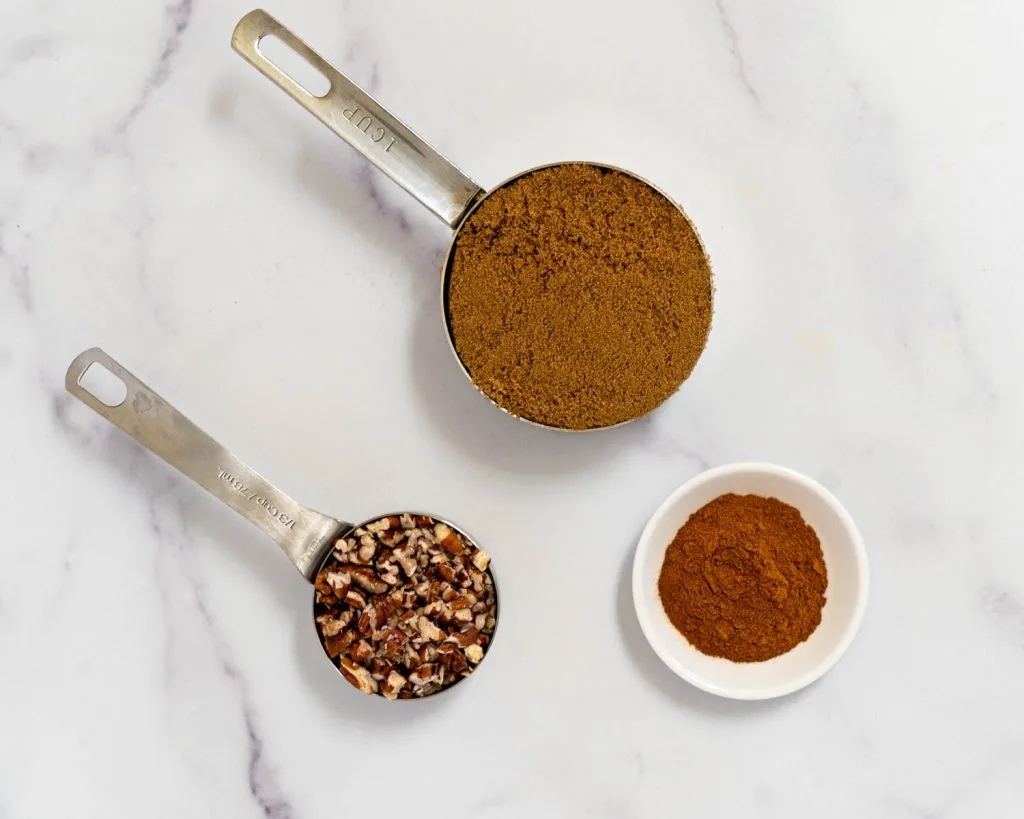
column 452, row 196
column 405, row 604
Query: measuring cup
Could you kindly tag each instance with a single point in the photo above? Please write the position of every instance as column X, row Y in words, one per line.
column 394, row 148
column 307, row 537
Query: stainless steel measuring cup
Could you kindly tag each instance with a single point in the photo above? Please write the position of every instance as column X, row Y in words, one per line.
column 393, row 147
column 311, row 540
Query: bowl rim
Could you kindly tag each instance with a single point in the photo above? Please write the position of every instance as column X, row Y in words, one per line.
column 646, row 605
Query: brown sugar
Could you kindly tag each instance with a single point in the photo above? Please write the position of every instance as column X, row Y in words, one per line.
column 744, row 578
column 579, row 297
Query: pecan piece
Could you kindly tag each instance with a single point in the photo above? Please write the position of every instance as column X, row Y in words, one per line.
column 338, row 645
column 394, row 683
column 449, row 541
column 367, row 548
column 429, row 631
column 358, row 676
column 424, row 674
column 367, row 579
column 361, row 652
column 331, row 624
column 464, row 638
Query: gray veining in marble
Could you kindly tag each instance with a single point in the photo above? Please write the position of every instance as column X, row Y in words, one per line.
column 854, row 170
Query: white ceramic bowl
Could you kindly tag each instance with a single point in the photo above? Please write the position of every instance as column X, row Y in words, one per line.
column 846, row 595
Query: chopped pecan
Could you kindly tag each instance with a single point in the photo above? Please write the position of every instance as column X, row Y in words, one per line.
column 448, row 539
column 366, row 578
column 409, row 564
column 358, row 676
column 367, row 548
column 361, row 652
column 339, row 644
column 332, row 624
column 464, row 638
column 423, row 674
column 455, row 661
column 405, row 606
column 429, row 631
column 393, row 685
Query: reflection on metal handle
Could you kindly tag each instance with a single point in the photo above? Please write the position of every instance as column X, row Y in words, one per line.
column 303, row 534
column 359, row 120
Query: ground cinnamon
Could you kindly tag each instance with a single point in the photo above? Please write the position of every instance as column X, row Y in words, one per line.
column 579, row 297
column 744, row 578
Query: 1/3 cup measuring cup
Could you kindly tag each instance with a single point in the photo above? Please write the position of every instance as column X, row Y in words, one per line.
column 424, row 173
column 405, row 604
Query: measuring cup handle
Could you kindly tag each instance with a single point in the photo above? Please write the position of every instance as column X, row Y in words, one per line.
column 303, row 534
column 362, row 122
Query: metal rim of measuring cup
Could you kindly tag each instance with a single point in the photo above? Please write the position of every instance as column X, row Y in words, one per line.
column 306, row 536
column 396, row 150
column 494, row 582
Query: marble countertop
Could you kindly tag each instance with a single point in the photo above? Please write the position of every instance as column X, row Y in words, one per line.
column 854, row 170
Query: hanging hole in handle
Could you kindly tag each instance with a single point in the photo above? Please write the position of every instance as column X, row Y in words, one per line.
column 298, row 69
column 103, row 385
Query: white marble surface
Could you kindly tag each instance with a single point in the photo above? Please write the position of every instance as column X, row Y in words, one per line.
column 855, row 171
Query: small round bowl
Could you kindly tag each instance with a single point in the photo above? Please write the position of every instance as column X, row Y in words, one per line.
column 846, row 595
